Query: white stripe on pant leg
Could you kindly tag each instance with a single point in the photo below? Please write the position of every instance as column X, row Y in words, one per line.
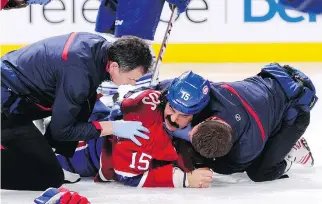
column 143, row 179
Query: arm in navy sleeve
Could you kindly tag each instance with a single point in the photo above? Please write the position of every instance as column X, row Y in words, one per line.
column 71, row 100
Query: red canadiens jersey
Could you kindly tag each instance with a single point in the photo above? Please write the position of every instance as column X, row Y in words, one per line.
column 133, row 164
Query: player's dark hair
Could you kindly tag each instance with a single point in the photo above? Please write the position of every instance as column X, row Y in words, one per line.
column 213, row 139
column 130, row 52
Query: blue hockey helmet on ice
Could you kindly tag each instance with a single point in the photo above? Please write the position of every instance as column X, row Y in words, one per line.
column 189, row 93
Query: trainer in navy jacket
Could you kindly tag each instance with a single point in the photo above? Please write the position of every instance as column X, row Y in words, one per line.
column 248, row 131
column 61, row 75
column 267, row 114
column 58, row 77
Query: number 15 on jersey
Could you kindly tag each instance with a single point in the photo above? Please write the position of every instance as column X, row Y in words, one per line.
column 142, row 162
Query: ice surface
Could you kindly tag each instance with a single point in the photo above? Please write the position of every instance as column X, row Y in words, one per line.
column 303, row 186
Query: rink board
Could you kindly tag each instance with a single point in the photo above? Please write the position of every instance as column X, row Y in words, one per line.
column 230, row 52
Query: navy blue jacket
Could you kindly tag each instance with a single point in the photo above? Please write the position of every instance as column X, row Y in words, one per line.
column 254, row 108
column 60, row 75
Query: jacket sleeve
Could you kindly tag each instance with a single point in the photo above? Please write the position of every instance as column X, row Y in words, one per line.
column 72, row 108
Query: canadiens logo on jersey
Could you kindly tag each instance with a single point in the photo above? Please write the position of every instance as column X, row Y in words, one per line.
column 152, row 99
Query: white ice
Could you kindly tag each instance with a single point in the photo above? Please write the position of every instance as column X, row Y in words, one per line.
column 303, row 186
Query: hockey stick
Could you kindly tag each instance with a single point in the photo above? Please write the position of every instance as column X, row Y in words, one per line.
column 155, row 76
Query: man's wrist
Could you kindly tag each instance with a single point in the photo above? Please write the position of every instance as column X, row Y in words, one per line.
column 107, row 128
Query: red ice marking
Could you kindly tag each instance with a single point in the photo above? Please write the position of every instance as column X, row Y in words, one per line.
column 247, row 106
column 67, row 45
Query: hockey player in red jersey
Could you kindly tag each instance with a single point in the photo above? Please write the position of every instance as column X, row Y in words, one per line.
column 156, row 163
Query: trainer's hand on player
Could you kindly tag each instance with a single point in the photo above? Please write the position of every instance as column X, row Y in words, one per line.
column 200, row 178
column 125, row 129
column 129, row 130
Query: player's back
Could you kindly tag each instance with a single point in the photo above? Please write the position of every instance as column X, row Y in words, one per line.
column 144, row 106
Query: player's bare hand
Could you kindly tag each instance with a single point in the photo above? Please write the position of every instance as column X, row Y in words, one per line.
column 200, row 178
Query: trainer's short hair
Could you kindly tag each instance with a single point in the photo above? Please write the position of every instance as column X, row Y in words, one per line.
column 130, row 52
column 213, row 138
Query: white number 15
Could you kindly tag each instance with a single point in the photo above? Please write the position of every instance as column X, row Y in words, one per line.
column 143, row 161
column 185, row 96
